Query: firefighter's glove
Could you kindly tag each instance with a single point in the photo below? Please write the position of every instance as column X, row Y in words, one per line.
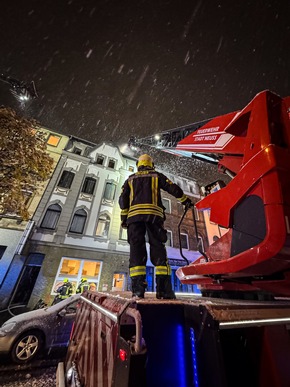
column 124, row 224
column 188, row 203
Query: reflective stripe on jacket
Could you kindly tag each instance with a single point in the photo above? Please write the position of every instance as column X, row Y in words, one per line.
column 140, row 199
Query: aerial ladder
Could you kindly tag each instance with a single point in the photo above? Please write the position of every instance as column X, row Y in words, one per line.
column 252, row 146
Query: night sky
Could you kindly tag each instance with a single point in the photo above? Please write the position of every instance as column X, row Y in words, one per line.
column 107, row 69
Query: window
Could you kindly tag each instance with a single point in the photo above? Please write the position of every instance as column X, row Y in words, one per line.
column 184, row 240
column 77, row 151
column 100, row 160
column 111, row 163
column 167, row 204
column 103, row 225
column 169, row 238
column 2, row 250
column 66, row 179
column 51, row 217
column 78, row 222
column 53, row 140
column 119, row 282
column 200, row 246
column 123, row 234
column 180, row 208
column 196, row 213
column 75, row 269
column 110, row 190
column 89, row 185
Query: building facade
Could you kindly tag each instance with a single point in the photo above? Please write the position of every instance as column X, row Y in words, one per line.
column 14, row 231
column 76, row 230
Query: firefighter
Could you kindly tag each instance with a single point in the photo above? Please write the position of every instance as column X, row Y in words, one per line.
column 93, row 287
column 83, row 285
column 142, row 211
column 63, row 291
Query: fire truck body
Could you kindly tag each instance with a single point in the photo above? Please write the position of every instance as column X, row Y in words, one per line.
column 118, row 341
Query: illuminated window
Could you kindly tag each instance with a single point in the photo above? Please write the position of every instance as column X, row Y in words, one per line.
column 66, row 179
column 78, row 222
column 118, row 282
column 89, row 185
column 53, row 140
column 75, row 269
column 103, row 225
column 51, row 217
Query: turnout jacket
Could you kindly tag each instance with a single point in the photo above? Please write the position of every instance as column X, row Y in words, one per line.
column 140, row 199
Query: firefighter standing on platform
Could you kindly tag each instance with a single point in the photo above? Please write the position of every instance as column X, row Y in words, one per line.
column 63, row 291
column 142, row 211
column 84, row 285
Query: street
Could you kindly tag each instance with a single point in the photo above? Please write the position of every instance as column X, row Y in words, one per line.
column 41, row 372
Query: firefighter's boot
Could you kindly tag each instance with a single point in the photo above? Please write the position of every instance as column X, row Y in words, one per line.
column 139, row 286
column 164, row 288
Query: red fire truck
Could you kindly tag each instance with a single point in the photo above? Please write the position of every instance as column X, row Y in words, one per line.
column 239, row 336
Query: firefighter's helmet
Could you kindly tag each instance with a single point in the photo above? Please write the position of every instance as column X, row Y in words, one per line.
column 145, row 161
column 65, row 280
column 84, row 280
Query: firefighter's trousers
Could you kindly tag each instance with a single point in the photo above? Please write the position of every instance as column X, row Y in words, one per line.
column 157, row 236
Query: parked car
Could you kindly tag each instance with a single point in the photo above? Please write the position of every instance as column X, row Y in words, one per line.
column 29, row 334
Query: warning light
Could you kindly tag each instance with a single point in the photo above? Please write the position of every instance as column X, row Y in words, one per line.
column 122, row 354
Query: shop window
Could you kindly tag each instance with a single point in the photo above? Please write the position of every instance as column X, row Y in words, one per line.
column 111, row 163
column 103, row 225
column 110, row 191
column 66, row 179
column 89, row 186
column 184, row 240
column 78, row 222
column 51, row 217
column 167, row 204
column 53, row 140
column 75, row 269
column 169, row 238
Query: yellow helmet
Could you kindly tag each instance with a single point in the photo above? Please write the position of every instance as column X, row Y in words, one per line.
column 65, row 280
column 84, row 280
column 146, row 161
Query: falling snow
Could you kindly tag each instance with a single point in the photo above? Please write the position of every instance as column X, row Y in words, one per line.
column 107, row 71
